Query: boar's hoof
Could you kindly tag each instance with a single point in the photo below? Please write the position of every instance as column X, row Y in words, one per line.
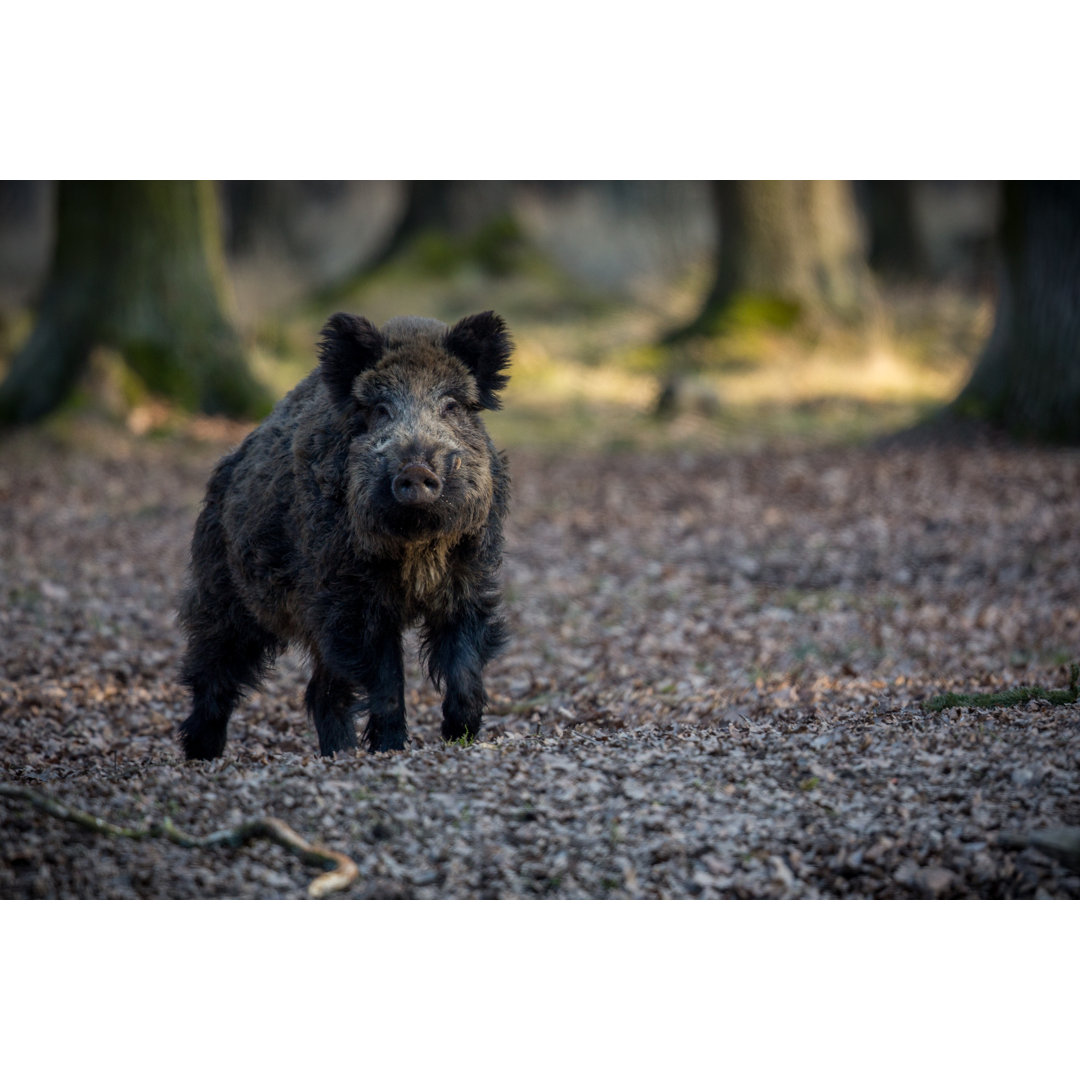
column 416, row 485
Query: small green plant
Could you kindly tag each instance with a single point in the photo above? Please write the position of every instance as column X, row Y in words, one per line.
column 462, row 741
column 1017, row 696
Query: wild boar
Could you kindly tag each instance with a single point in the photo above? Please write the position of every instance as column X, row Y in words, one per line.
column 369, row 500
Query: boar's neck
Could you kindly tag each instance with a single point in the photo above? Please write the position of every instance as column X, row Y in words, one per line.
column 414, row 571
column 423, row 568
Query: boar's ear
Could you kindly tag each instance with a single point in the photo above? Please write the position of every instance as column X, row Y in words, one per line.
column 350, row 344
column 483, row 343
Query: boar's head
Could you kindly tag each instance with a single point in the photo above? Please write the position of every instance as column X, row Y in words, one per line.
column 411, row 395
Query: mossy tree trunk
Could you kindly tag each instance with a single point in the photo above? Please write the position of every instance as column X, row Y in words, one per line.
column 1027, row 379
column 788, row 250
column 137, row 267
column 428, row 207
column 449, row 208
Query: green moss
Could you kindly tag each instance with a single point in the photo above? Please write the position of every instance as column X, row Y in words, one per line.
column 1018, row 696
column 499, row 247
column 232, row 390
column 437, row 254
column 758, row 311
column 743, row 314
column 160, row 372
column 972, row 407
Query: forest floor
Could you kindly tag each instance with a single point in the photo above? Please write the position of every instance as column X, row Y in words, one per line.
column 716, row 685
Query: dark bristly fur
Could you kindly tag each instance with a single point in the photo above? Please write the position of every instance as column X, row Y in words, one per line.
column 370, row 499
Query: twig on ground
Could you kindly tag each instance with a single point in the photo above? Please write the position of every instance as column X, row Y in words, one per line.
column 1061, row 843
column 341, row 871
column 1018, row 696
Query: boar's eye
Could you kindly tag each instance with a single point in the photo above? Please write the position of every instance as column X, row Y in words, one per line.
column 380, row 412
column 451, row 407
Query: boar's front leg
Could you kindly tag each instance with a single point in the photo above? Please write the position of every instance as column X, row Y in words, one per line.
column 330, row 704
column 366, row 654
column 457, row 650
column 386, row 696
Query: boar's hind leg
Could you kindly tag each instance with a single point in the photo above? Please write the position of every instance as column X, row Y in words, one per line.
column 330, row 704
column 218, row 667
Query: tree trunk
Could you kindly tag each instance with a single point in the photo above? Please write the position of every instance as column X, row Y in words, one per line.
column 257, row 210
column 455, row 208
column 1027, row 379
column 897, row 248
column 137, row 267
column 788, row 250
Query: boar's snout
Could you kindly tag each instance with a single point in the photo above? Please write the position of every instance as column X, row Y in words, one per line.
column 416, row 485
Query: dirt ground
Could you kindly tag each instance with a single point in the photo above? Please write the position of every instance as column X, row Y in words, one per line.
column 715, row 686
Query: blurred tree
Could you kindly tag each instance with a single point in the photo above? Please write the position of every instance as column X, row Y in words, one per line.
column 1027, row 379
column 788, row 250
column 136, row 266
column 897, row 248
column 25, row 231
column 428, row 208
column 254, row 210
column 454, row 218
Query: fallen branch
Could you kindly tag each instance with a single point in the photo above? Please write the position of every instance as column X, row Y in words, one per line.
column 341, row 870
column 1018, row 696
column 1061, row 843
